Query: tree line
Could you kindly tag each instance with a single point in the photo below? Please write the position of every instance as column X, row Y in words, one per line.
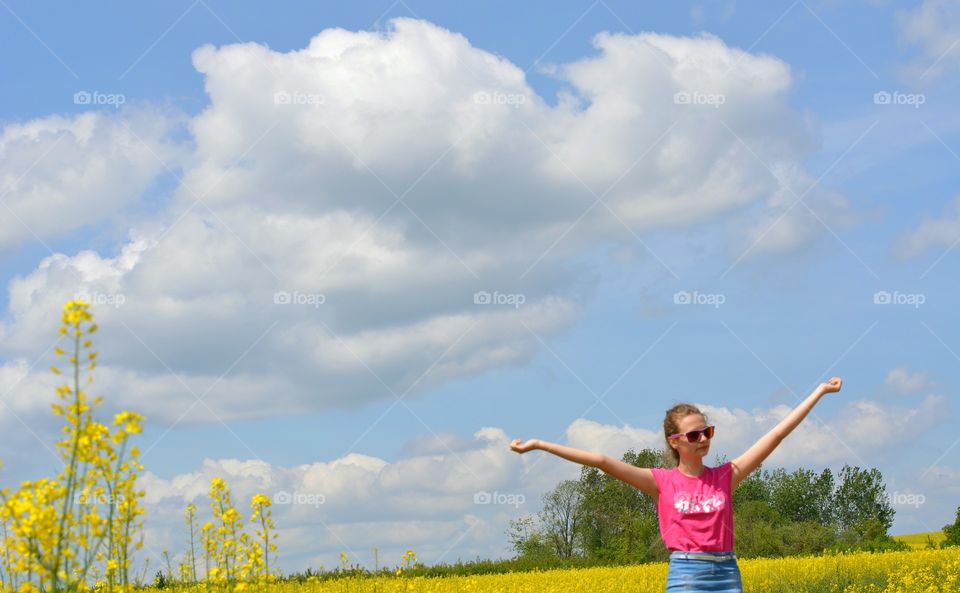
column 776, row 513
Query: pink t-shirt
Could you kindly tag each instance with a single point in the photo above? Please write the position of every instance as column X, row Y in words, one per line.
column 696, row 514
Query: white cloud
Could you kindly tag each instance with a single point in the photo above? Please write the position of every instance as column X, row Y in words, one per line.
column 60, row 173
column 299, row 160
column 931, row 233
column 790, row 219
column 608, row 135
column 861, row 428
column 870, row 424
column 901, row 380
column 359, row 502
column 934, row 27
column 857, row 432
column 611, row 440
column 163, row 351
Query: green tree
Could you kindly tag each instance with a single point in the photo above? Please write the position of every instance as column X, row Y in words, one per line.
column 806, row 537
column 868, row 535
column 561, row 511
column 756, row 487
column 952, row 532
column 802, row 496
column 756, row 528
column 527, row 540
column 618, row 523
column 861, row 495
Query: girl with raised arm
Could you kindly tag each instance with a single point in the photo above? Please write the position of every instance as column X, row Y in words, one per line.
column 694, row 501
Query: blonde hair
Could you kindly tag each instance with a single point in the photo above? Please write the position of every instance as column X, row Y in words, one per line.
column 671, row 425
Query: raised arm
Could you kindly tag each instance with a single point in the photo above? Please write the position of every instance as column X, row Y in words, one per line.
column 640, row 478
column 754, row 456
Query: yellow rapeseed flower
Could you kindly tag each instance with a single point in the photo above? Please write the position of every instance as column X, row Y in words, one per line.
column 58, row 532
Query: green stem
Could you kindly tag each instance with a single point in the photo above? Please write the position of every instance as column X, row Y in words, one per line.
column 68, row 502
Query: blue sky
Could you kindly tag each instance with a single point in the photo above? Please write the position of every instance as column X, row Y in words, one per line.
column 597, row 196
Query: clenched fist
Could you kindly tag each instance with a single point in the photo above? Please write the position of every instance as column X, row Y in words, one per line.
column 831, row 386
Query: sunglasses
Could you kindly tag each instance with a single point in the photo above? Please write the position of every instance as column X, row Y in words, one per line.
column 694, row 435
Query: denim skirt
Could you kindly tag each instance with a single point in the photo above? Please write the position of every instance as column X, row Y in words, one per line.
column 689, row 574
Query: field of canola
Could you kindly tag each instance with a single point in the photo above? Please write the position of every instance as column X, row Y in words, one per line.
column 919, row 571
column 919, row 540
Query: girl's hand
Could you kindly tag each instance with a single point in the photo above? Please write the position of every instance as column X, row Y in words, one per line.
column 831, row 386
column 521, row 447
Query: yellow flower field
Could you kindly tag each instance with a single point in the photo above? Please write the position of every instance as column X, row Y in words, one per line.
column 919, row 540
column 922, row 571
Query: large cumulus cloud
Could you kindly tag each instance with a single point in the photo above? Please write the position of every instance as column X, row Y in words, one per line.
column 343, row 203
